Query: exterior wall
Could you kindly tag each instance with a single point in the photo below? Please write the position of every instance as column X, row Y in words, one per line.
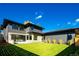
column 39, row 38
column 36, row 30
column 11, row 41
column 14, row 31
column 6, row 33
column 28, row 29
column 20, row 32
column 58, row 37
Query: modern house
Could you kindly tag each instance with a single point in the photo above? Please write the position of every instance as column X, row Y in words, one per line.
column 21, row 33
column 28, row 32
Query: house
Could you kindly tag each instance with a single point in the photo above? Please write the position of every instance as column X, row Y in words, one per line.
column 28, row 32
column 21, row 33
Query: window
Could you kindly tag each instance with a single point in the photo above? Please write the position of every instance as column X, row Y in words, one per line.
column 13, row 36
column 18, row 38
column 32, row 28
column 69, row 37
column 21, row 28
column 35, row 37
column 29, row 37
column 15, row 27
column 21, row 37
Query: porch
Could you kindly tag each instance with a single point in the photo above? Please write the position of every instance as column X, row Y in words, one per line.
column 22, row 38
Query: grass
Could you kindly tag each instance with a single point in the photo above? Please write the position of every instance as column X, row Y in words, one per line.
column 12, row 50
column 43, row 49
column 34, row 49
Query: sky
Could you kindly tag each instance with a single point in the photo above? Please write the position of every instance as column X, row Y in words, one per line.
column 52, row 16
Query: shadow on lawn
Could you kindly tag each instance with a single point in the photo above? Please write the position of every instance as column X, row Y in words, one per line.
column 12, row 50
column 72, row 50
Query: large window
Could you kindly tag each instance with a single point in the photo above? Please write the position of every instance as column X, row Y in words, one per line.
column 13, row 36
column 35, row 37
column 29, row 37
column 21, row 28
column 21, row 37
column 18, row 38
column 32, row 28
column 14, row 26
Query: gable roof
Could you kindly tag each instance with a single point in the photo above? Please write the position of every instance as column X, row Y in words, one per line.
column 6, row 22
column 70, row 30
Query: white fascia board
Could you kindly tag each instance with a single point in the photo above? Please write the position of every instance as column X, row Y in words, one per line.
column 17, row 33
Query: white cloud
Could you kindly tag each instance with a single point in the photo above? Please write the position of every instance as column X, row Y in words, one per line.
column 38, row 17
column 68, row 23
column 77, row 20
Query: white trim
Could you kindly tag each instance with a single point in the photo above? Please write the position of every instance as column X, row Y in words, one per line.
column 10, row 40
column 27, row 41
column 32, row 37
column 17, row 33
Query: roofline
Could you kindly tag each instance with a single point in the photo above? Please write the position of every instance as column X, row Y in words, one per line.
column 36, row 33
column 22, row 24
column 60, row 30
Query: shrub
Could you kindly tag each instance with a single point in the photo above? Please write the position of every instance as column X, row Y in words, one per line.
column 54, row 41
column 70, row 42
column 48, row 40
column 60, row 41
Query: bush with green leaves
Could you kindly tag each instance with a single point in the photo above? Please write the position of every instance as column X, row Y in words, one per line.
column 60, row 41
column 54, row 41
column 49, row 41
column 70, row 42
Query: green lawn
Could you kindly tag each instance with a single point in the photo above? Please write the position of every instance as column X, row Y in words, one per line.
column 34, row 49
column 43, row 49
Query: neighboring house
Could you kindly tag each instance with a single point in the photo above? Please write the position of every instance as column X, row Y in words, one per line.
column 28, row 32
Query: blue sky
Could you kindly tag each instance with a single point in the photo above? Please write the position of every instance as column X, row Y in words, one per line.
column 50, row 16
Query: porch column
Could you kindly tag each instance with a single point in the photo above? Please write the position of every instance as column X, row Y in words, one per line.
column 32, row 37
column 10, row 40
column 26, row 37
